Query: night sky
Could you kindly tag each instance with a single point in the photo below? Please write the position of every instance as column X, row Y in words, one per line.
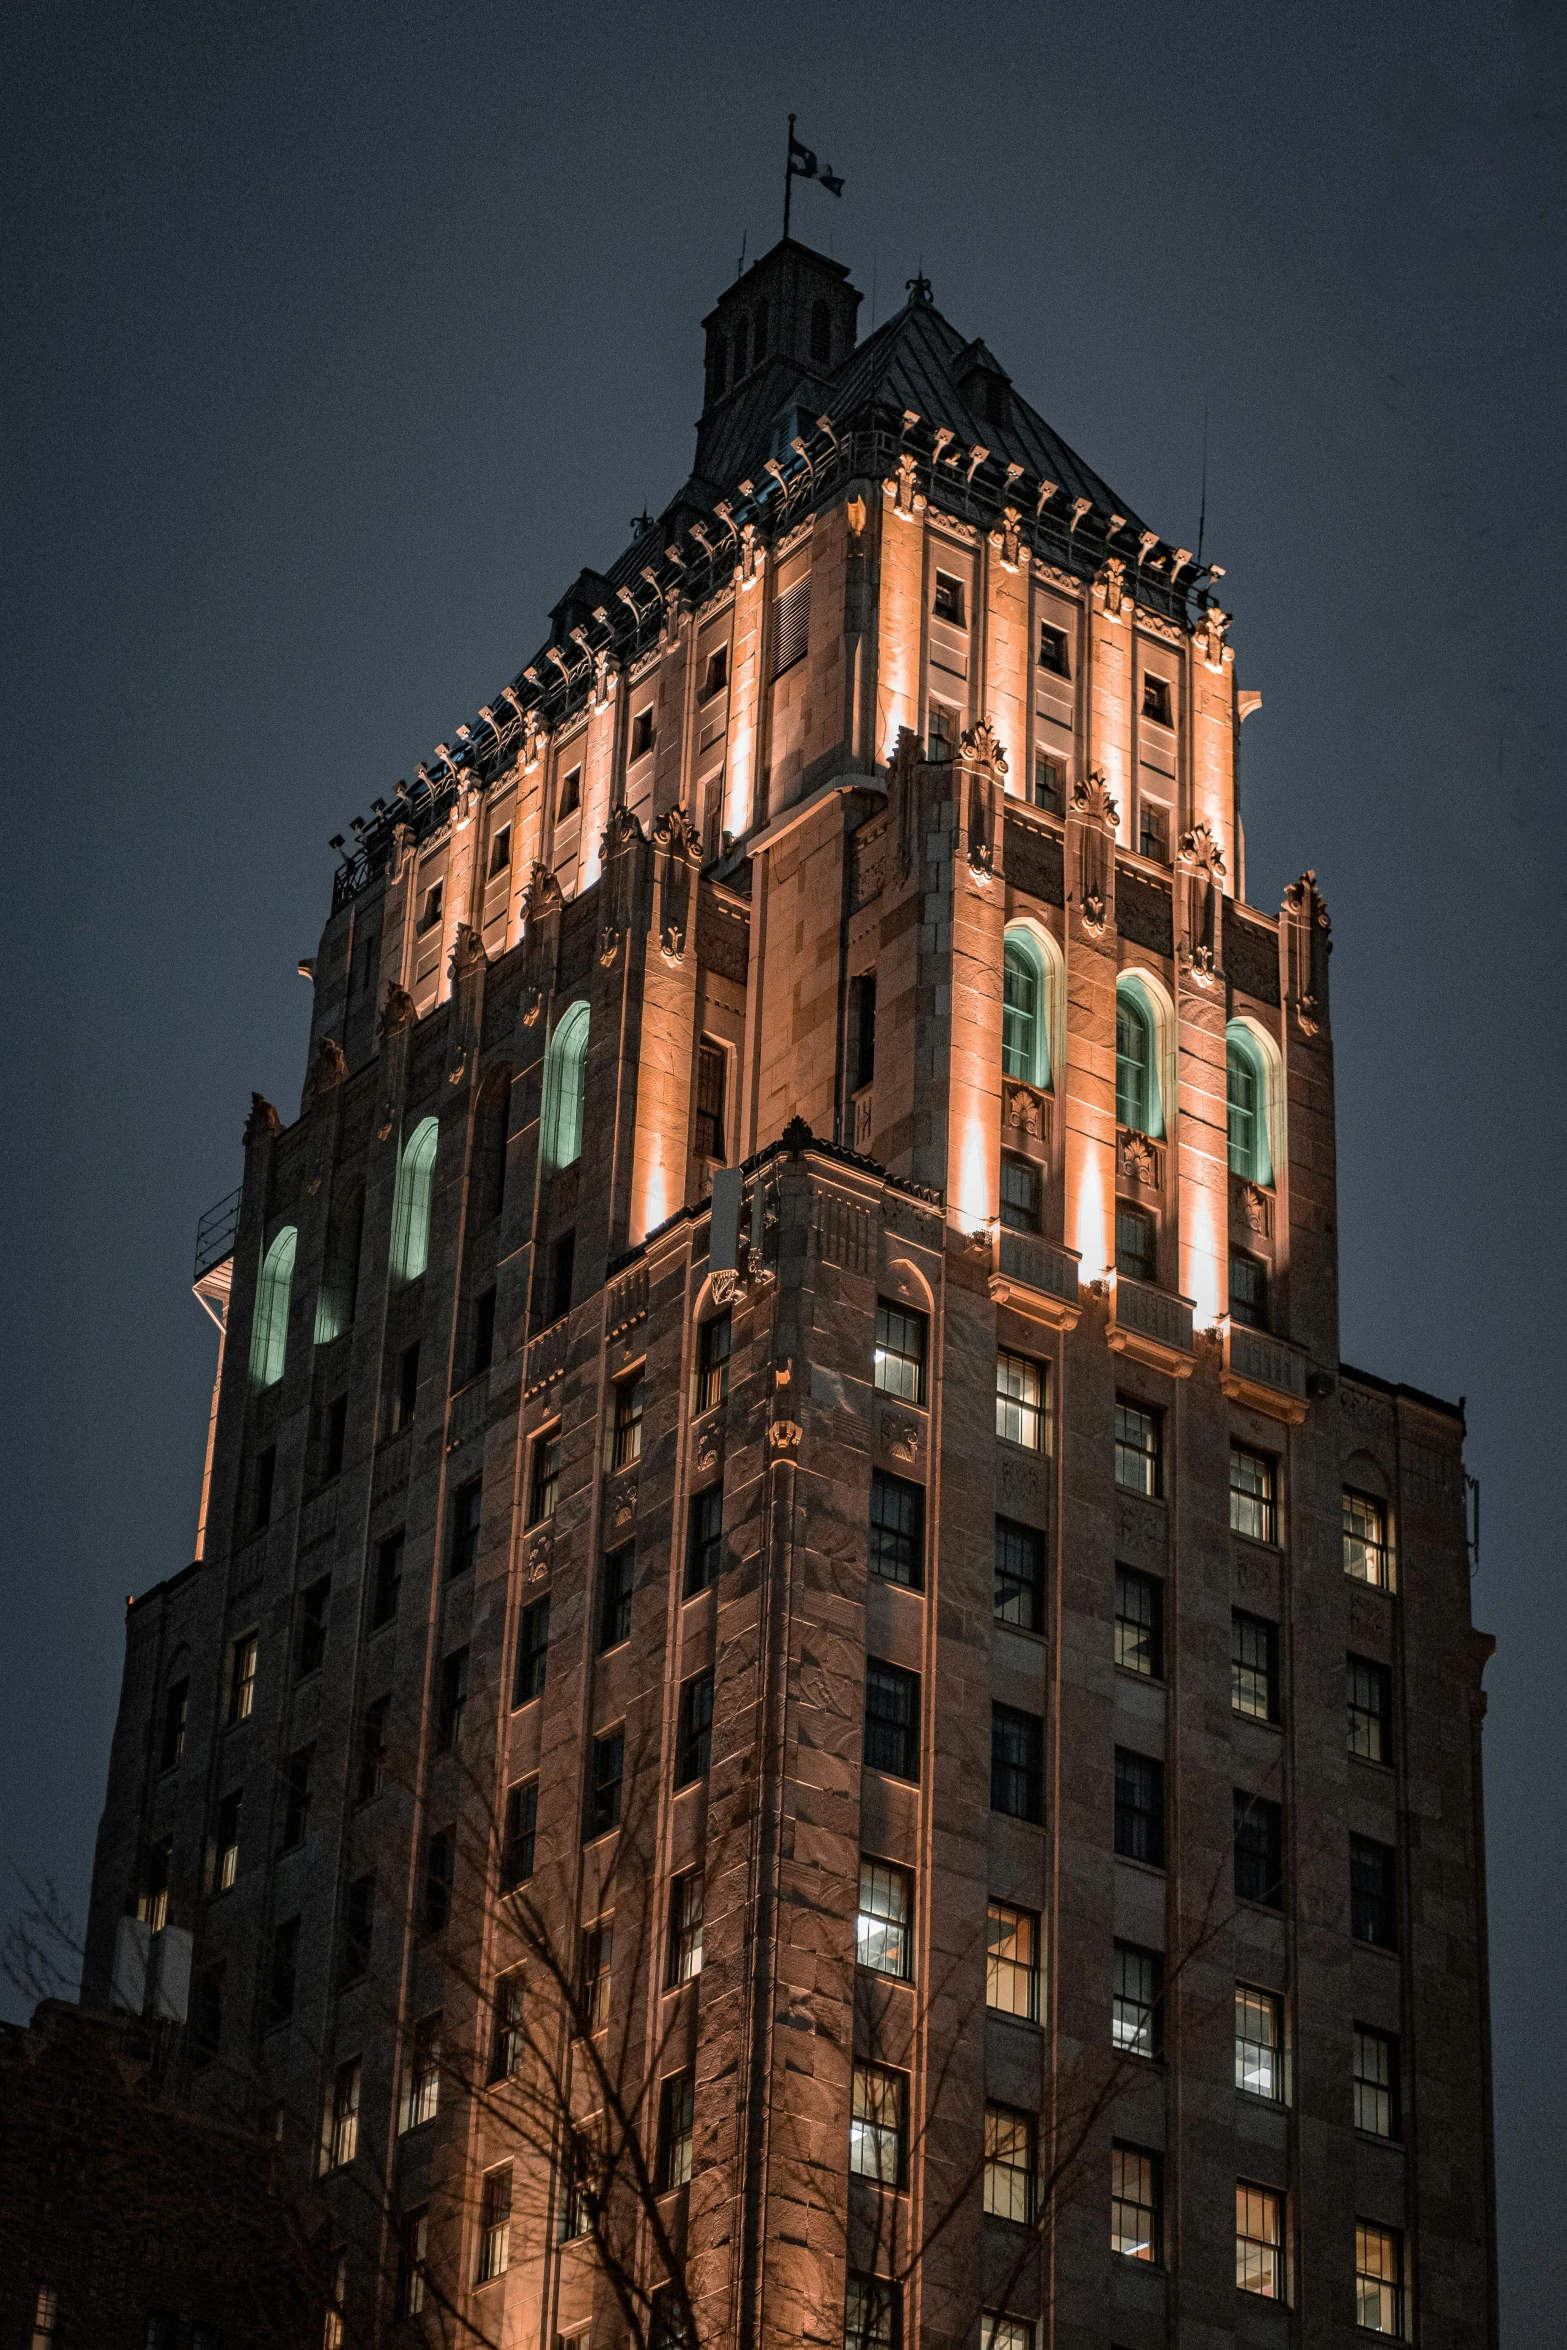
column 339, row 338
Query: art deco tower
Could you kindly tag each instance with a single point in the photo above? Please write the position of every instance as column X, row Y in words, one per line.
column 788, row 1560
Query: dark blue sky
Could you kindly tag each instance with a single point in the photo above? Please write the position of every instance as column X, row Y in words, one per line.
column 339, row 338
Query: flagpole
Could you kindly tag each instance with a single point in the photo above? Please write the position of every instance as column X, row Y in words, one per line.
column 788, row 174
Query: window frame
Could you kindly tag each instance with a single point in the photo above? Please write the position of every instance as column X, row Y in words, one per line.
column 1259, row 2259
column 1016, row 1405
column 1010, row 2189
column 704, row 1541
column 1137, row 1822
column 685, row 1927
column 1258, row 1837
column 896, row 1371
column 519, row 1838
column 881, row 1726
column 628, row 1397
column 1375, row 1567
column 1249, row 1678
column 605, row 1788
column 1020, row 1775
column 1383, row 1899
column 1137, row 2001
column 1127, row 1409
column 531, row 1671
column 889, row 1927
column 1008, row 1921
column 1254, row 1508
column 1146, row 2242
column 1385, row 2087
column 466, row 1522
column 1133, row 1631
column 1379, row 1716
column 1258, row 2058
column 873, row 2088
column 1387, row 2288
column 694, row 1733
column 895, row 1551
column 1019, row 1598
column 616, row 1591
column 714, row 1348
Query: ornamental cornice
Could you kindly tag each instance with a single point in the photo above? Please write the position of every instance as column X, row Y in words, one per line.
column 719, row 601
column 793, row 539
column 644, row 664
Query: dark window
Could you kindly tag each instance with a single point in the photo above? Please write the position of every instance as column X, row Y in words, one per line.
column 792, row 625
column 942, row 734
column 716, row 675
column 947, row 603
column 1021, row 1388
column 1017, row 1763
column 466, row 1504
column 1020, row 1575
column 533, row 1648
column 1153, row 831
column 334, row 1437
column 310, row 1637
column 413, row 2246
column 897, row 1534
column 440, row 1866
column 714, row 1341
column 705, row 1542
column 1052, row 650
column 892, row 1719
column 153, row 1907
column 388, row 1580
column 1136, row 1243
column 420, row 2100
column 570, row 794
column 522, row 1822
column 1020, row 1194
column 296, row 1798
column 899, row 1361
column 694, row 1739
column 372, row 1749
column 1136, row 2000
column 642, row 733
column 405, row 1400
column 1049, row 783
column 1253, row 1494
column 556, row 1271
column 432, row 906
column 1137, row 2204
column 266, row 1471
column 821, row 335
column 482, row 1327
column 206, row 2016
column 508, row 2041
column 686, row 1905
column 1139, row 1449
column 176, row 1706
column 878, row 2124
column 862, row 1031
column 1259, row 1850
column 1248, row 1290
column 1139, row 1623
column 1139, row 1807
column 544, row 1482
column 282, row 1973
column 453, row 1701
column 872, row 2313
column 358, row 1927
column 608, row 1769
column 598, row 1958
column 615, row 1587
column 1373, row 1893
column 1369, row 1690
column 1254, row 1667
column 676, row 2114
column 629, row 1394
column 712, row 1067
column 1376, row 2083
column 1156, row 700
column 500, row 851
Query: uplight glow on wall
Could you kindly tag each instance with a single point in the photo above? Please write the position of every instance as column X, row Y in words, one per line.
column 1091, row 1237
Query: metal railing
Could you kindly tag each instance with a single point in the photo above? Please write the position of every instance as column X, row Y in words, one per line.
column 215, row 1233
column 1038, row 1264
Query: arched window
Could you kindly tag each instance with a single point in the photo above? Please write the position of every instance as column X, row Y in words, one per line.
column 565, row 1084
column 1138, row 1102
column 821, row 333
column 269, row 1330
column 1025, row 1026
column 1246, row 1071
column 411, row 1202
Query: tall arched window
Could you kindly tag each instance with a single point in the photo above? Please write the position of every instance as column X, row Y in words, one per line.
column 411, row 1202
column 565, row 1085
column 1246, row 1070
column 1025, row 1026
column 1138, row 1099
column 269, row 1330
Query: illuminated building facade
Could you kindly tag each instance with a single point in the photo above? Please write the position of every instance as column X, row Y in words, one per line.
column 782, row 1403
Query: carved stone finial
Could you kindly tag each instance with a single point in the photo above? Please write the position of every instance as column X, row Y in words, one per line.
column 329, row 1067
column 541, row 893
column 901, row 489
column 1111, row 585
column 398, row 1011
column 263, row 1121
column 467, row 952
column 676, row 832
column 979, row 746
column 797, row 1135
column 1094, row 914
column 1093, row 802
column 1212, row 628
column 1200, row 850
column 620, row 832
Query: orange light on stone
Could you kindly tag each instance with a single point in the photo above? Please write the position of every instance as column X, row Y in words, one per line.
column 1092, row 1236
column 975, row 1212
column 1203, row 1276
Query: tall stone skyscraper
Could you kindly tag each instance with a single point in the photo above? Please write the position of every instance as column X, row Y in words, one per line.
column 812, row 1708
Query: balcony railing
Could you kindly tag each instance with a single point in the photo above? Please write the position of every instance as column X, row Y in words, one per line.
column 1266, row 1372
column 215, row 1234
column 1154, row 1324
column 1039, row 1276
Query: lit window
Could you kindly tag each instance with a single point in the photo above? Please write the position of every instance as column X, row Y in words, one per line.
column 413, row 2252
column 1052, row 650
column 705, row 1541
column 1138, row 1103
column 226, row 1863
column 1017, row 1763
column 1139, row 1808
column 1259, row 2044
column 1012, row 1961
column 565, row 1089
column 715, row 1341
column 598, row 1967
column 1379, row 2279
column 1010, row 2165
column 1254, row 1668
column 1253, row 1495
column 466, row 1505
column 676, row 2128
column 533, row 1651
column 1020, row 1576
column 1139, row 1464
column 421, row 2097
column 521, row 1833
column 604, row 1783
column 269, row 1326
column 947, row 603
column 629, row 1398
column 340, row 2121
column 694, row 1741
column 1373, row 1894
column 1020, row 1194
column 878, row 2124
column 1135, row 2215
column 1156, row 700
column 1366, row 1553
column 411, row 1202
column 882, row 1930
column 1153, row 832
column 332, row 2325
column 892, row 1726
column 1259, row 2262
column 1376, row 2083
column 1139, row 1623
column 1369, row 1689
column 1248, row 1290
column 999, row 2332
column 872, row 2314
column 616, row 1585
column 1136, row 1243
column 1136, row 1991
column 897, row 1530
column 1259, row 1850
column 1246, row 1088
column 899, row 1358
column 687, row 1902
column 242, row 1678
column 495, row 2224
column 1020, row 1400
column 1025, row 1042
column 46, row 2317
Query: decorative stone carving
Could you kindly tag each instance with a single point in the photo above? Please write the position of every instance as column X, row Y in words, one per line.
column 982, row 861
column 1094, row 914
column 672, row 944
column 855, row 514
column 1008, row 542
column 532, row 1006
column 609, row 944
column 1139, row 1159
column 901, row 490
column 1110, row 587
column 784, row 1436
column 902, row 1439
column 263, row 1121
column 1200, row 966
column 1201, row 859
column 397, row 1011
column 676, row 833
column 1200, row 849
column 624, row 1504
column 1212, row 628
column 1253, row 1208
column 980, row 746
column 1022, row 1107
column 704, row 1453
column 541, row 1548
column 541, row 893
column 467, row 952
column 1093, row 802
column 328, row 1069
column 620, row 832
column 1310, row 943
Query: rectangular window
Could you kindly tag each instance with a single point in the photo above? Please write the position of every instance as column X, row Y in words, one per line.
column 1153, row 831
column 440, row 1864
column 629, row 1396
column 899, row 1361
column 310, row 1637
column 616, row 1582
column 544, row 1477
column 878, row 2124
column 266, row 1472
column 1000, row 2332
column 1156, row 700
column 598, row 1973
column 705, row 1541
column 1020, row 1401
column 1012, row 1971
column 413, row 2253
column 892, row 1719
column 686, row 1905
column 1376, row 2083
column 500, row 852
column 883, row 1935
column 1136, row 2001
column 1052, row 650
column 570, row 793
column 46, row 2317
column 296, row 1797
column 694, row 1737
column 1020, row 1575
column 712, row 1068
column 521, row 1833
column 1049, row 790
column 152, row 1905
column 897, row 1530
column 1379, row 2279
column 340, row 2119
column 1021, row 1209
column 862, row 1031
column 1011, row 2166
column 226, row 1859
column 1259, row 1850
column 421, row 2095
column 1136, row 1243
column 716, row 675
column 1259, row 2044
column 1253, row 1495
column 358, row 1928
column 714, row 1341
column 642, row 733
column 533, row 1649
column 242, row 1678
column 1369, row 1690
column 481, row 1350
column 1254, row 1667
column 872, row 2314
column 453, row 1701
column 372, row 1748
column 604, row 1783
column 792, row 625
column 508, row 2042
column 941, row 734
column 1248, row 1290
column 1139, row 1807
column 676, row 2129
column 1139, row 1450
column 1017, row 1763
column 432, row 906
column 406, row 1402
column 334, row 1436
column 495, row 2224
column 557, row 1273
column 282, row 1972
column 1139, row 1623
column 1373, row 1892
column 176, row 1706
column 1366, row 1554
column 388, row 1580
column 1136, row 2215
column 466, row 1504
column 1259, row 2237
column 947, row 602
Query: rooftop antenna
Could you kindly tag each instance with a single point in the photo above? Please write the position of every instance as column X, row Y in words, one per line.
column 1202, row 517
column 873, row 293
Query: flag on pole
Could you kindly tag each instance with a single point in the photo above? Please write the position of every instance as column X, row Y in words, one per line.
column 803, row 165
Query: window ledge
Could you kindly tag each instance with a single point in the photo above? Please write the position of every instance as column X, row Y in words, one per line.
column 1144, row 1868
column 1257, row 1723
column 1142, row 1680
